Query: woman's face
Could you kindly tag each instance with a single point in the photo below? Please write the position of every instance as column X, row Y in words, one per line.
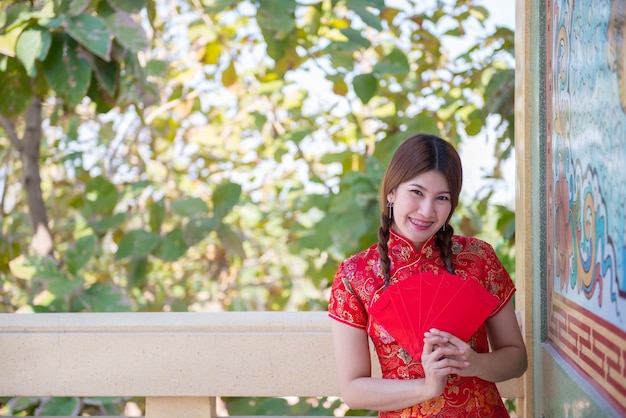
column 421, row 206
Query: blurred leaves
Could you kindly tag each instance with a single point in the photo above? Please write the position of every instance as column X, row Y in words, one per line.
column 205, row 156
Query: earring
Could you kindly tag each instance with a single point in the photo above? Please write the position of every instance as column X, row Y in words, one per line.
column 444, row 227
column 390, row 207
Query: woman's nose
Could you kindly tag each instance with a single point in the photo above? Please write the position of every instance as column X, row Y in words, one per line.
column 427, row 208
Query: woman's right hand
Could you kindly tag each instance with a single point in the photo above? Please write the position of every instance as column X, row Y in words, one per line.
column 440, row 359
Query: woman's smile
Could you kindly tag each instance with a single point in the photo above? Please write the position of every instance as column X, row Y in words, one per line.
column 421, row 224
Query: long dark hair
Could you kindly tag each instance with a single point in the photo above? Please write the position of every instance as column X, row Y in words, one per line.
column 416, row 155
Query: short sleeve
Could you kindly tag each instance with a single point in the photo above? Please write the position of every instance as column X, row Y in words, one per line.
column 344, row 304
column 496, row 279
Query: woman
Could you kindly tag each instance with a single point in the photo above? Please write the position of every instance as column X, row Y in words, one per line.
column 452, row 378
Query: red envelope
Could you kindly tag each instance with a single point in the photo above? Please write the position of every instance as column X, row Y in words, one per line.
column 410, row 307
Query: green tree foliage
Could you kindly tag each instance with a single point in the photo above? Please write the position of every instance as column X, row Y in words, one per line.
column 225, row 154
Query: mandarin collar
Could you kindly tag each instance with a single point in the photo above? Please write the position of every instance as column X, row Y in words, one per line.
column 402, row 251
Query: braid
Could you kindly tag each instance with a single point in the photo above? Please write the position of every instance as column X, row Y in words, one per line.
column 443, row 238
column 383, row 247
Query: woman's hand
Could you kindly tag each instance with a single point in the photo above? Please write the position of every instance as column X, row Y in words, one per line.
column 507, row 358
column 466, row 354
column 442, row 357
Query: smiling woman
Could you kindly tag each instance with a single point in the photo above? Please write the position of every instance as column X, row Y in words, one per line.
column 453, row 374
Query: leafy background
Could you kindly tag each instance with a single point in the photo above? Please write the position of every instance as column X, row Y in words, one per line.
column 201, row 155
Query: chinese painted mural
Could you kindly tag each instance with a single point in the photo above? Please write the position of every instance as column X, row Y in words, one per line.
column 586, row 190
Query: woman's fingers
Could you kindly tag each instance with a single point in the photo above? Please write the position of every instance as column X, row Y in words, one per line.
column 442, row 354
column 436, row 366
column 453, row 339
column 437, row 350
column 437, row 337
column 441, row 358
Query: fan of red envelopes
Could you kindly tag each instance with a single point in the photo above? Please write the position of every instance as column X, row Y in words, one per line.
column 410, row 307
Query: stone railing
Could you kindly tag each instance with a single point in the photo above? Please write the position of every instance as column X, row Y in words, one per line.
column 180, row 362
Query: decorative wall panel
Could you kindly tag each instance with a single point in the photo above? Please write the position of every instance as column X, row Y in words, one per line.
column 586, row 190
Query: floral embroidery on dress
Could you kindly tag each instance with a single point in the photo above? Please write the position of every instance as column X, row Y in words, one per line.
column 432, row 407
column 382, row 333
column 357, row 283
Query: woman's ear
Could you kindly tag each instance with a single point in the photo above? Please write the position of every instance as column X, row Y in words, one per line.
column 391, row 197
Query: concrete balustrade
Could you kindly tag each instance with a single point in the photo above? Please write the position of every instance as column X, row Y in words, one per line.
column 180, row 362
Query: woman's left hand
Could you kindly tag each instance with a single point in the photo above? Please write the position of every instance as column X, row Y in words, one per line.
column 467, row 354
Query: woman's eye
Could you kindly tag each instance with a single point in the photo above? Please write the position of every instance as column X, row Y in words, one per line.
column 443, row 198
column 417, row 192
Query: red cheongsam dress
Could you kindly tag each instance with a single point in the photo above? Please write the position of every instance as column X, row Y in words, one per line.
column 358, row 279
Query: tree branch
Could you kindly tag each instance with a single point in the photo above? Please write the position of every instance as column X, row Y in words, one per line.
column 9, row 128
column 30, row 154
column 6, row 163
